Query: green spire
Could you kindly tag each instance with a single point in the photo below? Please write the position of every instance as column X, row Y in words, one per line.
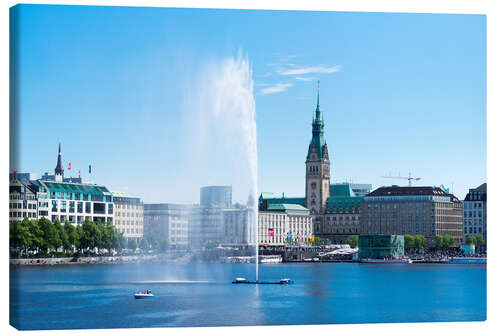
column 317, row 105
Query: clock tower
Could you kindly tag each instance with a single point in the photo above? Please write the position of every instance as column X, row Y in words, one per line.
column 317, row 168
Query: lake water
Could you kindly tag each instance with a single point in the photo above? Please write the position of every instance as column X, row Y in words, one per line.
column 101, row 296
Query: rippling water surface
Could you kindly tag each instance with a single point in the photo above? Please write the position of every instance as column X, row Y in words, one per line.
column 101, row 296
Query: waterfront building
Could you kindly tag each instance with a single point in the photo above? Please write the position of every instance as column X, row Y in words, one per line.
column 22, row 200
column 419, row 210
column 216, row 196
column 168, row 222
column 128, row 215
column 381, row 246
column 74, row 202
column 285, row 223
column 342, row 212
column 474, row 212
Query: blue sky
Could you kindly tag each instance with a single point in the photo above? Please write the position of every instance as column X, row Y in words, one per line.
column 399, row 93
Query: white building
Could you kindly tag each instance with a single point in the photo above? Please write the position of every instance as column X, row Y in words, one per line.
column 74, row 202
column 22, row 201
column 128, row 215
column 474, row 210
column 282, row 224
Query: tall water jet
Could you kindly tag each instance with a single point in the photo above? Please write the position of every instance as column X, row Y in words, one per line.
column 221, row 99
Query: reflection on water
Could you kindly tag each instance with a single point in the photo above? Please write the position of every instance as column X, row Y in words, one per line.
column 192, row 295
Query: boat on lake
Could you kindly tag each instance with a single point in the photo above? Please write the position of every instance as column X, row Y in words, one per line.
column 146, row 294
column 245, row 281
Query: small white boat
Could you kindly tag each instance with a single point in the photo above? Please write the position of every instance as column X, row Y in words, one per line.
column 144, row 294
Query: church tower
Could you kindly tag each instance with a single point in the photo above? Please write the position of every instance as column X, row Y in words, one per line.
column 317, row 166
column 59, row 170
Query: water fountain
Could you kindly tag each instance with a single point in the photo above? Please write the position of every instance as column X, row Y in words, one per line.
column 225, row 105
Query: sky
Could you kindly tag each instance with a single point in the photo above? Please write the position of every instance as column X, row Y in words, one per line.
column 399, row 93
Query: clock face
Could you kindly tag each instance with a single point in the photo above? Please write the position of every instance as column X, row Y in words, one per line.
column 313, row 185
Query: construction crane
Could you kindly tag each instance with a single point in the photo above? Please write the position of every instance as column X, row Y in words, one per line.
column 409, row 178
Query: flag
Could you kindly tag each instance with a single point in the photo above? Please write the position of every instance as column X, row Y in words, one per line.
column 90, row 168
column 15, row 173
column 69, row 166
column 270, row 232
column 78, row 173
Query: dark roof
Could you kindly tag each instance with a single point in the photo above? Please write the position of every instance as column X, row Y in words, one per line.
column 406, row 190
column 390, row 191
column 482, row 188
column 480, row 194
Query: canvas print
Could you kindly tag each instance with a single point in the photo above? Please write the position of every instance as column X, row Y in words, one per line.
column 183, row 167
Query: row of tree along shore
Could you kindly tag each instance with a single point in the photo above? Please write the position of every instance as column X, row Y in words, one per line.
column 42, row 238
column 440, row 242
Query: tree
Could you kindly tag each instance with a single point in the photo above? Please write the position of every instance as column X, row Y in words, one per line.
column 470, row 240
column 80, row 238
column 352, row 240
column 19, row 235
column 72, row 235
column 90, row 235
column 438, row 242
column 447, row 241
column 478, row 241
column 50, row 239
column 63, row 236
column 409, row 241
column 420, row 241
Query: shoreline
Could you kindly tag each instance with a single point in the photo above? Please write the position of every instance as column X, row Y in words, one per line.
column 143, row 259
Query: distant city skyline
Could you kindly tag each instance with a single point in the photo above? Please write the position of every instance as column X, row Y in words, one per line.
column 399, row 93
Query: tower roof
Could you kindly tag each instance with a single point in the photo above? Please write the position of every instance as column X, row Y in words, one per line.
column 59, row 170
column 318, row 140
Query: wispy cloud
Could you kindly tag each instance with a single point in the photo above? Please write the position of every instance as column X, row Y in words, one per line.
column 304, row 78
column 279, row 87
column 309, row 70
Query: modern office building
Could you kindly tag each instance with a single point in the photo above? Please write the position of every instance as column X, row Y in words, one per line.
column 168, row 222
column 419, row 210
column 474, row 213
column 23, row 201
column 128, row 215
column 285, row 223
column 216, row 196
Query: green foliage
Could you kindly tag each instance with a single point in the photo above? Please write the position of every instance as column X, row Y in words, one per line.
column 45, row 236
column 443, row 241
column 409, row 241
column 72, row 235
column 470, row 240
column 50, row 239
column 63, row 236
column 352, row 240
column 479, row 240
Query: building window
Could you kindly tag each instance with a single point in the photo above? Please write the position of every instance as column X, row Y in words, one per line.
column 87, row 207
